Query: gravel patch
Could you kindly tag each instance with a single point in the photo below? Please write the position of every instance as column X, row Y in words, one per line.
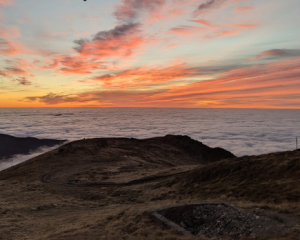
column 225, row 221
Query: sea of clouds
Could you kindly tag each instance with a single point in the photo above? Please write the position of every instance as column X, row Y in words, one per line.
column 241, row 131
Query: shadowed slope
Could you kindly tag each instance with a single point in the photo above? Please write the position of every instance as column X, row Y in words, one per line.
column 158, row 153
column 272, row 178
column 10, row 145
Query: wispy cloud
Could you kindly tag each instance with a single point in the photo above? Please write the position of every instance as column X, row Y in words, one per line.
column 96, row 98
column 130, row 10
column 255, row 86
column 23, row 81
column 185, row 30
column 243, row 9
column 263, row 86
column 145, row 76
column 7, row 2
column 209, row 4
column 7, row 48
column 10, row 32
column 276, row 54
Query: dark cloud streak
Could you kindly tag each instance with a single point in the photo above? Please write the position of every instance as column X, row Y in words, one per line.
column 130, row 10
column 209, row 4
column 23, row 81
column 276, row 54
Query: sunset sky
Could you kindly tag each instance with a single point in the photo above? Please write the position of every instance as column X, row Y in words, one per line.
column 150, row 53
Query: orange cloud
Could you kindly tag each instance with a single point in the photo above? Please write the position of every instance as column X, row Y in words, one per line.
column 255, row 86
column 145, row 76
column 263, row 86
column 97, row 98
column 77, row 65
column 72, row 65
column 10, row 32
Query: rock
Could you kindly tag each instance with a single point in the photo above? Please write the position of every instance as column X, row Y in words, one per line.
column 223, row 221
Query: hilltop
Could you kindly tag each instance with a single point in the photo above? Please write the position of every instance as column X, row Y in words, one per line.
column 105, row 188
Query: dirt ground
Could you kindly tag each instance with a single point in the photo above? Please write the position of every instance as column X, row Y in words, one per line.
column 104, row 188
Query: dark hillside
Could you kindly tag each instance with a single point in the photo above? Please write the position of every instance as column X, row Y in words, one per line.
column 271, row 177
column 10, row 145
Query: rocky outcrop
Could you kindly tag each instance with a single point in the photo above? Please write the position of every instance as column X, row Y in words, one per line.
column 10, row 145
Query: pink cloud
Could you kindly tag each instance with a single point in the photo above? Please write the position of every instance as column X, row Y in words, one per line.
column 167, row 11
column 6, row 2
column 118, row 42
column 275, row 54
column 8, row 48
column 84, row 33
column 243, row 9
column 50, row 35
column 211, row 5
column 272, row 52
column 21, row 68
column 218, row 31
column 173, row 45
column 24, row 20
column 10, row 32
column 204, row 22
column 185, row 30
column 251, row 26
column 222, row 33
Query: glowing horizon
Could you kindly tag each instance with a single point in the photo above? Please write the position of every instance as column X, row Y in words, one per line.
column 150, row 53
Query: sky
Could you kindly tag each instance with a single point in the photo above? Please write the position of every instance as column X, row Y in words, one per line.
column 150, row 53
